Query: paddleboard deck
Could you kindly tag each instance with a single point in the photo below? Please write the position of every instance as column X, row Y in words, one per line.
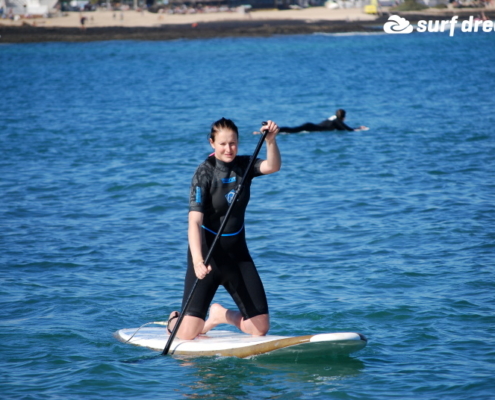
column 232, row 344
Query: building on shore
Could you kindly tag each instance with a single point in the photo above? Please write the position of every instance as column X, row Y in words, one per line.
column 27, row 7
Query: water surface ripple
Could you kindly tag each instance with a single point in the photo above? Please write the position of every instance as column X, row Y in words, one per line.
column 389, row 232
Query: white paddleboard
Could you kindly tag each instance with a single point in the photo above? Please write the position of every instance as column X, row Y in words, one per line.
column 233, row 344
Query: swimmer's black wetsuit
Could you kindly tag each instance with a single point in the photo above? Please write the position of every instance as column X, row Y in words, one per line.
column 330, row 124
column 212, row 188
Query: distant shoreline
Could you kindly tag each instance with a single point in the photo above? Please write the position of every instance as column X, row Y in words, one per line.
column 206, row 30
column 27, row 33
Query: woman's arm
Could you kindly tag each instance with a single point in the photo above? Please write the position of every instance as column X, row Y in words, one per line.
column 194, row 237
column 273, row 160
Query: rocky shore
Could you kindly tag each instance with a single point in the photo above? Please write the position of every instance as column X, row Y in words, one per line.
column 28, row 33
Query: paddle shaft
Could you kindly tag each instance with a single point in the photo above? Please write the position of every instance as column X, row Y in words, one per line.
column 215, row 241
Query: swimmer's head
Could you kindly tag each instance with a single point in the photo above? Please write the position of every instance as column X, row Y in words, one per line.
column 340, row 114
column 223, row 124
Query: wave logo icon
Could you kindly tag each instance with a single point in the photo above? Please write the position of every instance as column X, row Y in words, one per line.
column 230, row 196
column 397, row 24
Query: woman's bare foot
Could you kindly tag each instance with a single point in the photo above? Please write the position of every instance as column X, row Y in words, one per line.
column 217, row 316
column 256, row 326
column 172, row 320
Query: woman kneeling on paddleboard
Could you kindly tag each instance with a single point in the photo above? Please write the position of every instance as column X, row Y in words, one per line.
column 212, row 189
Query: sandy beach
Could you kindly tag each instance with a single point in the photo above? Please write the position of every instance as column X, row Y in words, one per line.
column 144, row 25
column 133, row 19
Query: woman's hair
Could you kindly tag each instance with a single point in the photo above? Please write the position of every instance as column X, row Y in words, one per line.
column 340, row 114
column 223, row 124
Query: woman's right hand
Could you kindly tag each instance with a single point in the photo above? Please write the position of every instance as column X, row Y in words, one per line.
column 194, row 238
column 201, row 270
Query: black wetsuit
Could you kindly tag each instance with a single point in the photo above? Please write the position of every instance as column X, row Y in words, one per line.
column 330, row 124
column 212, row 188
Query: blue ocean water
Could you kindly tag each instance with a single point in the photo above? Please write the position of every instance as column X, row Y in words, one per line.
column 388, row 232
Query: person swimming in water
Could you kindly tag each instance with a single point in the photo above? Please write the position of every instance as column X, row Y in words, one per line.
column 335, row 122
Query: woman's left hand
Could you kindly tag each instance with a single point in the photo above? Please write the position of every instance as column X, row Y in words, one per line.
column 272, row 128
column 273, row 160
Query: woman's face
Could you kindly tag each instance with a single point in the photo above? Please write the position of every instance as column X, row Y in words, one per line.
column 225, row 145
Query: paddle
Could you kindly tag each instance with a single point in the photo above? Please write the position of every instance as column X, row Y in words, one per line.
column 215, row 241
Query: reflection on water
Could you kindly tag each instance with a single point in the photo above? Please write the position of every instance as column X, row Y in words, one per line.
column 143, row 359
column 234, row 378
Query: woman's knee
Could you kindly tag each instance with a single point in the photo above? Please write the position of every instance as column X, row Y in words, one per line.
column 257, row 326
column 190, row 328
